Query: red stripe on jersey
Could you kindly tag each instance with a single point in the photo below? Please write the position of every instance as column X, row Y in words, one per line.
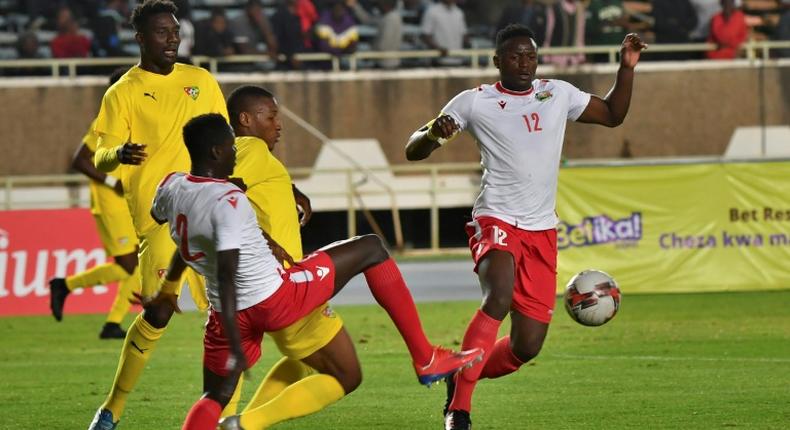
column 162, row 183
column 504, row 90
column 192, row 178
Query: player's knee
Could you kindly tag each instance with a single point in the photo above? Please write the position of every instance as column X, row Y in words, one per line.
column 158, row 315
column 350, row 380
column 526, row 351
column 497, row 302
column 127, row 262
column 374, row 248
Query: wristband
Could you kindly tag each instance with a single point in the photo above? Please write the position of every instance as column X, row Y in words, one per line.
column 170, row 287
column 110, row 181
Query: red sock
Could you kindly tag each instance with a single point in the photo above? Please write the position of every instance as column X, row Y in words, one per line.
column 204, row 415
column 390, row 291
column 501, row 361
column 481, row 333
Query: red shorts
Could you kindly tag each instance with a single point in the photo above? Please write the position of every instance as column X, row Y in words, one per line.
column 535, row 256
column 307, row 285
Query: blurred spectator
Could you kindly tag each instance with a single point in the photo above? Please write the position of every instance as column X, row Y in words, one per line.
column 308, row 15
column 27, row 46
column 186, row 29
column 253, row 29
column 288, row 31
column 413, row 10
column 214, row 38
column 105, row 26
column 705, row 10
column 607, row 22
column 336, row 30
column 526, row 12
column 389, row 26
column 69, row 43
column 674, row 22
column 444, row 28
column 565, row 23
column 728, row 31
column 783, row 28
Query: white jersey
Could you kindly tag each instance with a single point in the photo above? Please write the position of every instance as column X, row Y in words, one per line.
column 520, row 136
column 208, row 215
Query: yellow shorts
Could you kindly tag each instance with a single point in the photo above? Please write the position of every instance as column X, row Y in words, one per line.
column 309, row 334
column 156, row 251
column 116, row 232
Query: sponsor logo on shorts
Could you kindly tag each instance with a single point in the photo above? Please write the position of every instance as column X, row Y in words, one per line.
column 123, row 240
column 161, row 273
column 328, row 312
column 301, row 276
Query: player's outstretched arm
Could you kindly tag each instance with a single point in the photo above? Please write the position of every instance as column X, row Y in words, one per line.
column 611, row 110
column 83, row 163
column 227, row 266
column 428, row 138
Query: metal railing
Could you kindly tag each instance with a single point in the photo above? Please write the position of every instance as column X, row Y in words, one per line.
column 347, row 192
column 752, row 50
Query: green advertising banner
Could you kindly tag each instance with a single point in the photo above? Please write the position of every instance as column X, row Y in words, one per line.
column 677, row 228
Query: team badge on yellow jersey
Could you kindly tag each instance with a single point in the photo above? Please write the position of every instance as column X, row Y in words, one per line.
column 193, row 92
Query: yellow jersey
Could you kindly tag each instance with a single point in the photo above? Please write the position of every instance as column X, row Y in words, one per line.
column 104, row 200
column 270, row 191
column 151, row 109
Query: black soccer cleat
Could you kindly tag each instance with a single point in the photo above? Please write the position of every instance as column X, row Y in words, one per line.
column 112, row 331
column 57, row 297
column 450, row 381
column 457, row 420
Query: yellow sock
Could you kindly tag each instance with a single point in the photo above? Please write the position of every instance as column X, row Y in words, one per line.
column 140, row 342
column 99, row 275
column 284, row 373
column 233, row 404
column 301, row 398
column 121, row 305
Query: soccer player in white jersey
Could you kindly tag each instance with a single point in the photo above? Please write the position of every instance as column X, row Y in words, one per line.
column 217, row 234
column 519, row 124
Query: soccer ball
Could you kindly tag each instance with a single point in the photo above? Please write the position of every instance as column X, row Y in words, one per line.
column 592, row 298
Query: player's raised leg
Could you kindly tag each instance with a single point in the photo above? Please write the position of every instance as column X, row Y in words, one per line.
column 367, row 255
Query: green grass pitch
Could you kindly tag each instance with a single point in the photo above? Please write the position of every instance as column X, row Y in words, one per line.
column 690, row 361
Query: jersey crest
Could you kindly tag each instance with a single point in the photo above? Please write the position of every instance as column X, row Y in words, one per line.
column 543, row 96
column 193, row 92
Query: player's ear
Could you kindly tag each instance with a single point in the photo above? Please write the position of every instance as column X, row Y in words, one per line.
column 139, row 38
column 244, row 118
column 496, row 61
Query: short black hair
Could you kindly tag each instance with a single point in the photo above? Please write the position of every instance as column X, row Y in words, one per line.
column 204, row 132
column 116, row 74
column 241, row 98
column 511, row 31
column 149, row 8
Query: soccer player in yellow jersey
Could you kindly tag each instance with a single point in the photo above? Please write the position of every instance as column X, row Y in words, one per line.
column 140, row 129
column 317, row 343
column 117, row 235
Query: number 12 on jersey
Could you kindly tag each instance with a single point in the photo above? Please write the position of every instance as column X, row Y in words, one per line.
column 533, row 122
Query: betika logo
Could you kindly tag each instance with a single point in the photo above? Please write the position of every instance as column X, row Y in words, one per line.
column 543, row 96
column 193, row 92
column 599, row 230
